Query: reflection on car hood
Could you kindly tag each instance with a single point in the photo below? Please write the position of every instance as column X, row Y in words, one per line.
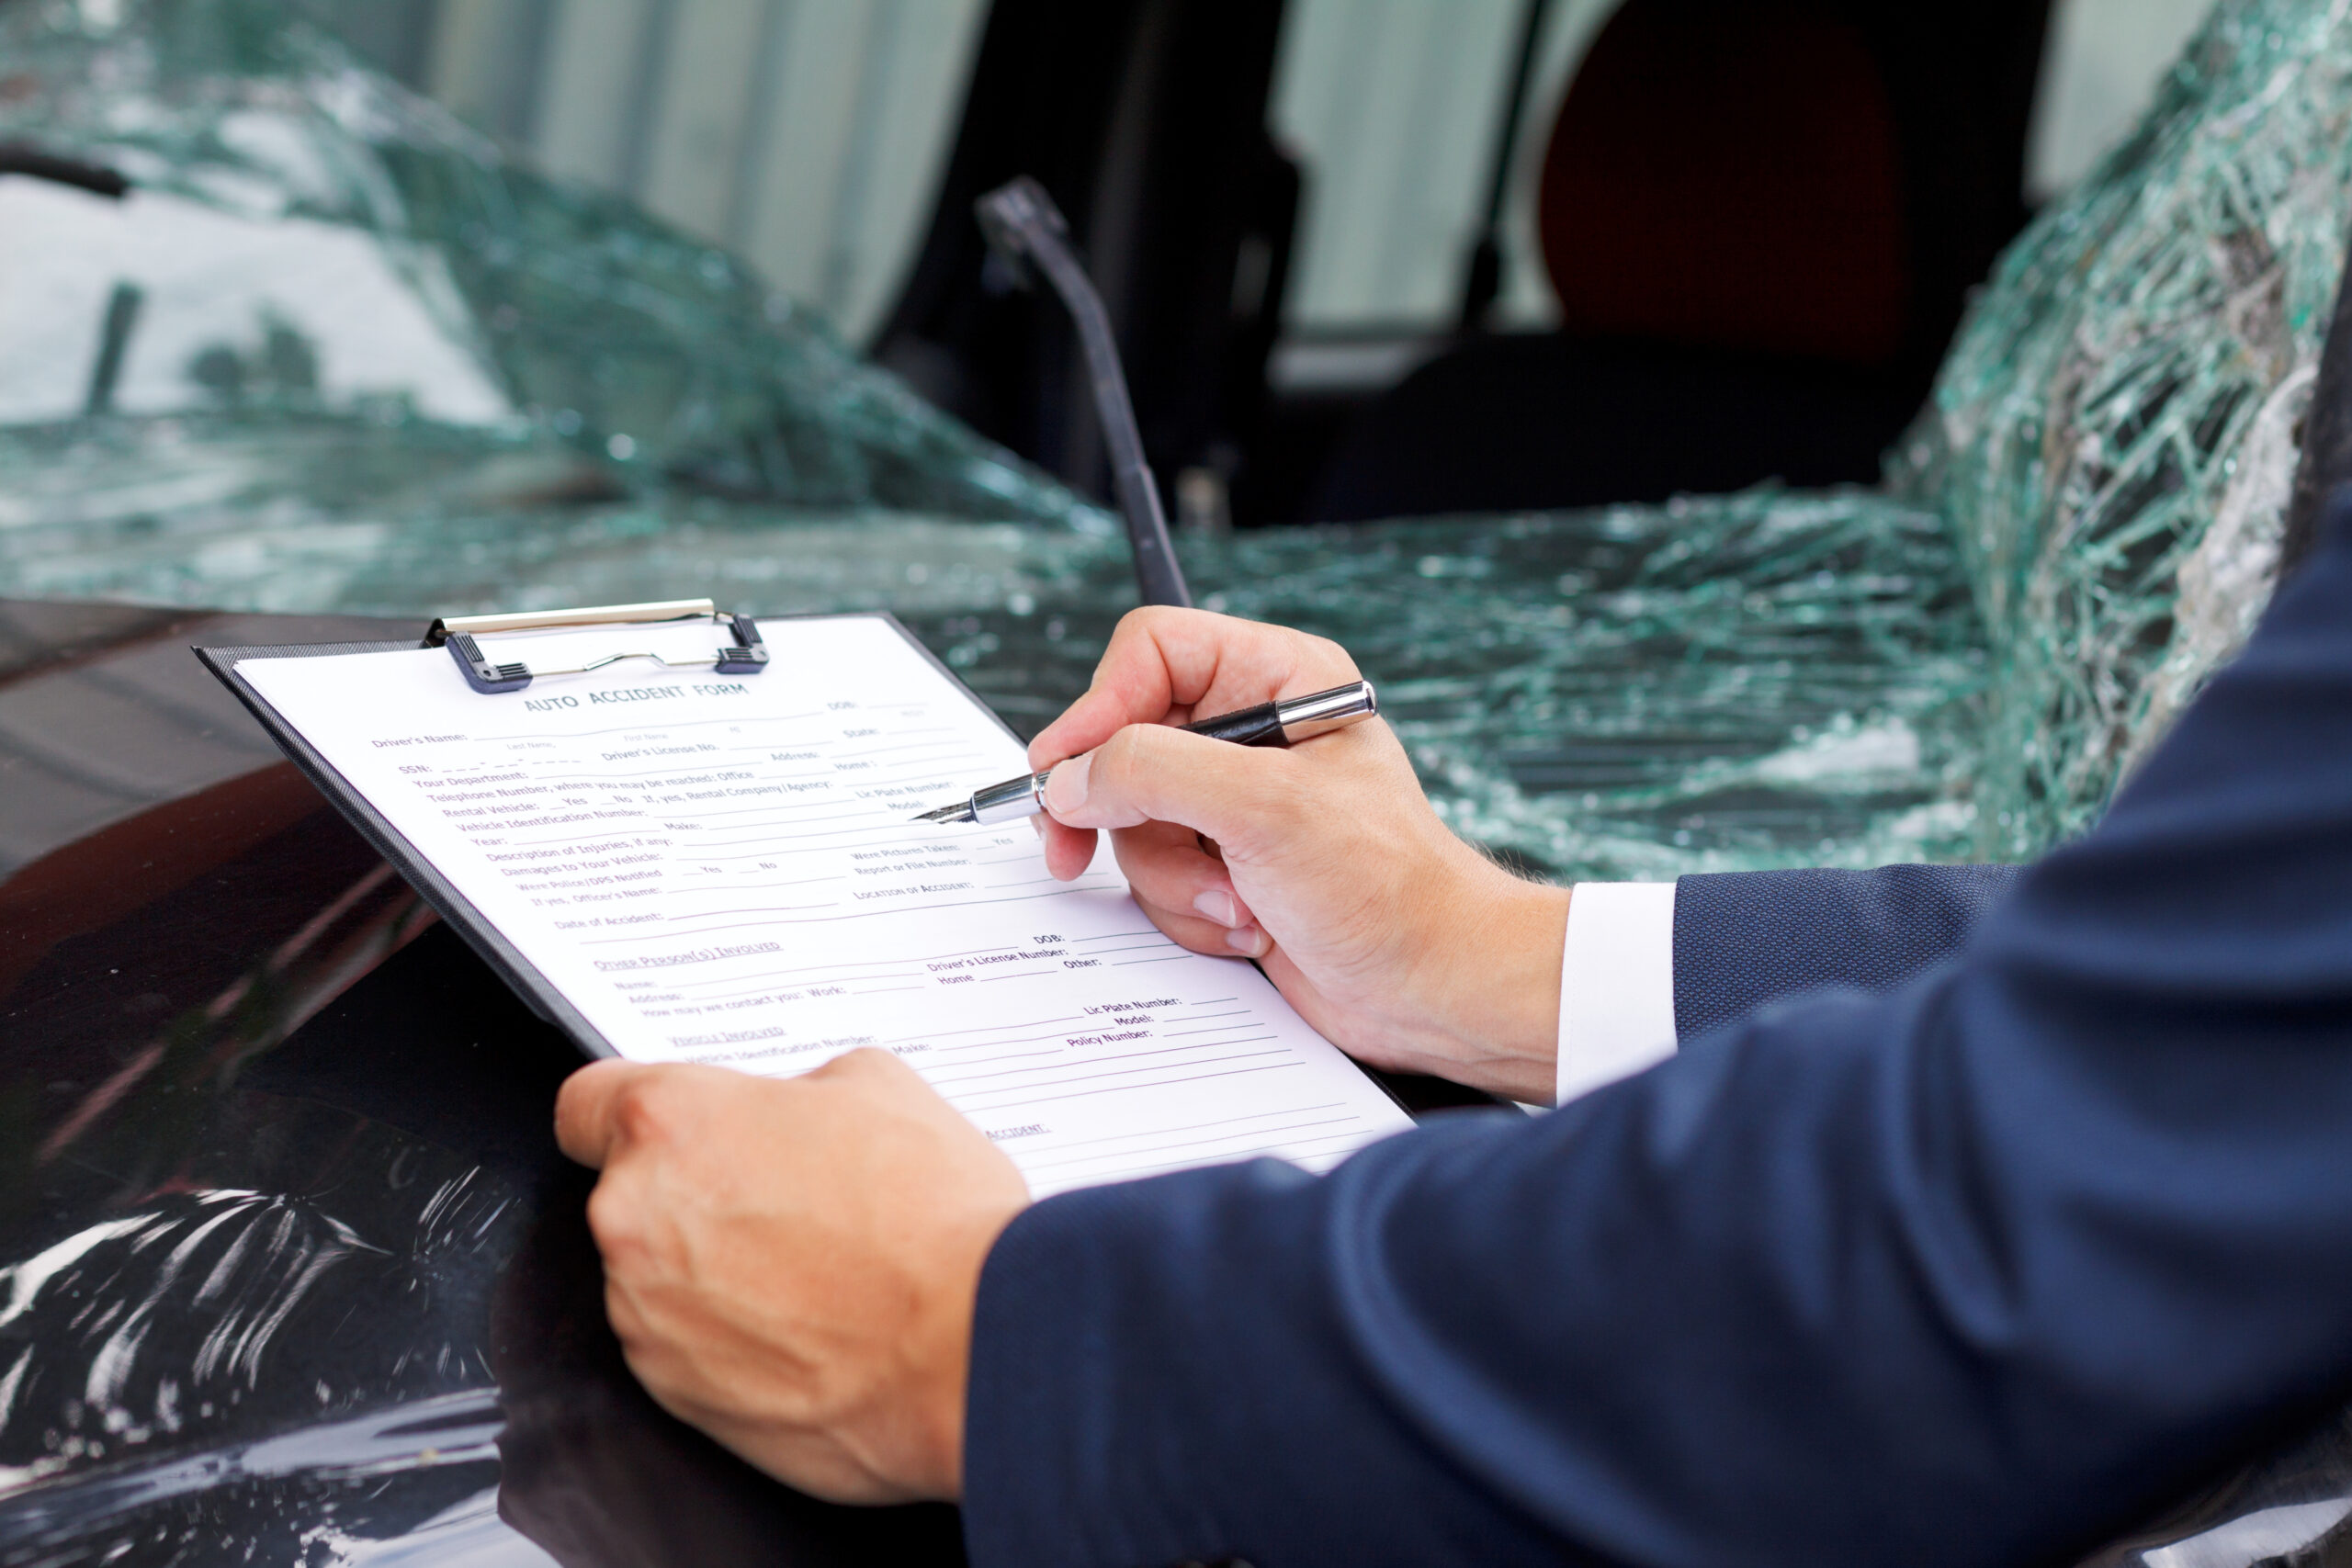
column 158, row 1324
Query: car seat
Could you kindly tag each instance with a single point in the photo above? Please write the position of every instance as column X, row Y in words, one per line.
column 1760, row 221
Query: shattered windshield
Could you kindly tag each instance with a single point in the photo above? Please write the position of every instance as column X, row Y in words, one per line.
column 307, row 252
column 560, row 402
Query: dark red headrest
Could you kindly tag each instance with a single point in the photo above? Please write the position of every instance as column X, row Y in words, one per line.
column 1728, row 174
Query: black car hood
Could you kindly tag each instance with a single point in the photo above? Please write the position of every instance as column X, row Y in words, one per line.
column 293, row 1268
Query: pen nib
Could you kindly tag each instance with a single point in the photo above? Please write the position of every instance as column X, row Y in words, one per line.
column 959, row 812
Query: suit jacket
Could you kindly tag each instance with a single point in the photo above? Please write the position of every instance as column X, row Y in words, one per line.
column 1977, row 1213
column 1748, row 938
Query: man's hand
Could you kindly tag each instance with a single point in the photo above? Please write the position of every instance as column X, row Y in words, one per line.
column 791, row 1265
column 1397, row 941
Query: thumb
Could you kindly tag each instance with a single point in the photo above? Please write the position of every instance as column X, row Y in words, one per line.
column 1149, row 772
column 588, row 1110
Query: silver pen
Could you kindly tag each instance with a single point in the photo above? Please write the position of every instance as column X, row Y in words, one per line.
column 1268, row 724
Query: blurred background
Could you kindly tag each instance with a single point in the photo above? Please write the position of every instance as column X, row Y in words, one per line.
column 1327, row 171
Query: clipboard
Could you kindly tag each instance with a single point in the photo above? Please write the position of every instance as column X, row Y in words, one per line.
column 493, row 679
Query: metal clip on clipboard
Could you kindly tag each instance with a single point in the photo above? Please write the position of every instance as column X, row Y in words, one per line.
column 746, row 655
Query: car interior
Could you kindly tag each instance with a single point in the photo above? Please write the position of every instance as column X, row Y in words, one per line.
column 1761, row 224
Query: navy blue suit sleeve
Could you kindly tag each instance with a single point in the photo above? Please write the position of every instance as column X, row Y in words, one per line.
column 1742, row 939
column 1967, row 1273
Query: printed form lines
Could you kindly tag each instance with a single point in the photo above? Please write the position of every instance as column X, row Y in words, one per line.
column 1119, row 1056
column 1020, row 1098
column 1024, row 1091
column 1196, row 1126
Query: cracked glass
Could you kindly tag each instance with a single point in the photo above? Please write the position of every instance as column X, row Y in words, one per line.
column 1961, row 663
column 314, row 266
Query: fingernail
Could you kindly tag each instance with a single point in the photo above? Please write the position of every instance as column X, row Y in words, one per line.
column 1222, row 908
column 1066, row 791
column 1248, row 942
column 1038, row 823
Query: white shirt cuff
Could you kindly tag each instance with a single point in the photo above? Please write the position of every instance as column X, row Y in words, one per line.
column 1616, row 985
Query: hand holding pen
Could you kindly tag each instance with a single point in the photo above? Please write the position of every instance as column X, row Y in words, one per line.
column 1324, row 861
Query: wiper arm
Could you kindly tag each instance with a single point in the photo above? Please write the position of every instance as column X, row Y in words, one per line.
column 1023, row 225
column 20, row 158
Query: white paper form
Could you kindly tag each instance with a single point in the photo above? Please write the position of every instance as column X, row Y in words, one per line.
column 721, row 869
